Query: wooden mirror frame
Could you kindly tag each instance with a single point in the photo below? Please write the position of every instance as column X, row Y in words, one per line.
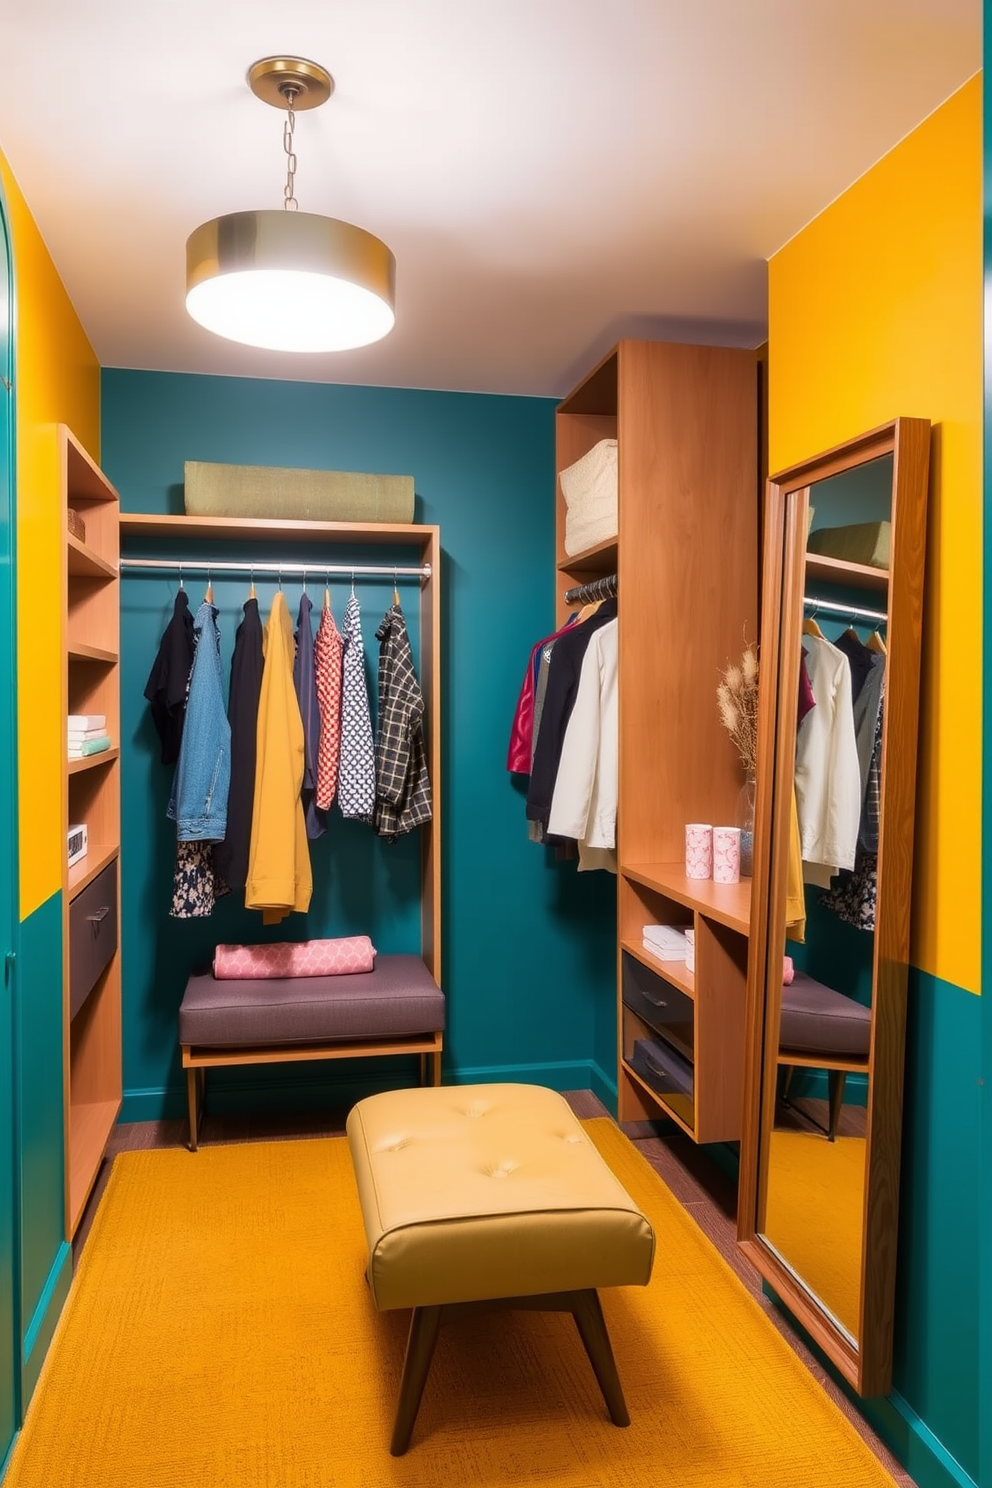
column 867, row 1364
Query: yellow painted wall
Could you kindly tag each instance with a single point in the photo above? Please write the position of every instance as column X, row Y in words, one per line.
column 57, row 380
column 875, row 312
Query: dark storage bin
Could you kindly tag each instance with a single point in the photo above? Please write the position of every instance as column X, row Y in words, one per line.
column 92, row 935
column 662, row 1006
column 662, row 1067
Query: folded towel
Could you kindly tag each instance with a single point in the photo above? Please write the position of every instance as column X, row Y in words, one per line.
column 666, row 941
column 89, row 746
column 297, row 958
column 788, row 971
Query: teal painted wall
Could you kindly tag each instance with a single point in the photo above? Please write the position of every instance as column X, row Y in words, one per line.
column 527, row 943
column 937, row 1336
column 40, row 1100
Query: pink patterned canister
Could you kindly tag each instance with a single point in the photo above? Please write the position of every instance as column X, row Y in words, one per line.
column 726, row 855
column 698, row 850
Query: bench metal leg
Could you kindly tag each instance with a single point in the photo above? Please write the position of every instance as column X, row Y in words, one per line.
column 424, row 1327
column 196, row 1080
column 836, row 1080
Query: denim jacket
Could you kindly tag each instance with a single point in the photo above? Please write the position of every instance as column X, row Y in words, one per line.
column 203, row 773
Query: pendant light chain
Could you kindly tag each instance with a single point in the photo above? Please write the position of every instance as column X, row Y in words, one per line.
column 289, row 191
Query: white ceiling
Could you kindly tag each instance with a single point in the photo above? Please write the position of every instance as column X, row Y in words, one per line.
column 550, row 174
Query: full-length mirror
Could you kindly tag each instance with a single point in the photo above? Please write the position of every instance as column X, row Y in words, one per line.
column 839, row 690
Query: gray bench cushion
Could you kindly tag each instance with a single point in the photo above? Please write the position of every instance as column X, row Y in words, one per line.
column 398, row 998
column 818, row 1020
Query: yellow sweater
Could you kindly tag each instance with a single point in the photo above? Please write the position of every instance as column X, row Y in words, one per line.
column 279, row 876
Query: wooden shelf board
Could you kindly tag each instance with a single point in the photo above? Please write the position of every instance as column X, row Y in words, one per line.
column 90, row 1126
column 673, row 972
column 91, row 761
column 85, row 480
column 850, row 575
column 140, row 524
column 659, row 1100
column 801, row 1059
column 84, row 563
column 76, row 651
column 728, row 904
column 601, row 558
column 86, row 870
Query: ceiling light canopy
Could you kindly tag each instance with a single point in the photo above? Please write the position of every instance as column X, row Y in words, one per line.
column 290, row 280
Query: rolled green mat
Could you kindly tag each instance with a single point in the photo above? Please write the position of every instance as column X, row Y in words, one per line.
column 214, row 490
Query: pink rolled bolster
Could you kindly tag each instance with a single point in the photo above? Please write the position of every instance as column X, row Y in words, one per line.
column 787, row 971
column 298, row 958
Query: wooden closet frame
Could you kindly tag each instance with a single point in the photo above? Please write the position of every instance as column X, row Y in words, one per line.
column 90, row 792
column 687, row 424
column 426, row 540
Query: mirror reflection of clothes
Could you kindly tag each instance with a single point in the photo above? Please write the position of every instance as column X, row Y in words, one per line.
column 828, row 774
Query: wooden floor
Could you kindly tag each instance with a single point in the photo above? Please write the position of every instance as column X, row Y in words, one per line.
column 708, row 1194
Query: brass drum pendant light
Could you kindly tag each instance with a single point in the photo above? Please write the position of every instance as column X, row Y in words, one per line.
column 290, row 280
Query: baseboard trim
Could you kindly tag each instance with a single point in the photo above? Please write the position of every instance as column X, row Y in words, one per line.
column 262, row 1088
column 39, row 1332
column 921, row 1452
column 906, row 1434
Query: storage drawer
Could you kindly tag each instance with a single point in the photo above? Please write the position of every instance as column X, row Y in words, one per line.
column 662, row 1006
column 664, row 1069
column 92, row 935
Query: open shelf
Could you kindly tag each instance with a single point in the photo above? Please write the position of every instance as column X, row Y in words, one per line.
column 75, row 767
column 76, row 651
column 850, row 575
column 727, row 904
column 140, row 524
column 90, row 1125
column 672, row 971
column 601, row 558
column 82, row 873
column 84, row 563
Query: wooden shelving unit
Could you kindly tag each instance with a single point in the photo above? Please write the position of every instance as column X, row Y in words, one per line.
column 90, row 795
column 685, row 419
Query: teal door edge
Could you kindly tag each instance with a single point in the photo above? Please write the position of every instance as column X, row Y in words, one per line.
column 11, row 1402
column 985, row 1092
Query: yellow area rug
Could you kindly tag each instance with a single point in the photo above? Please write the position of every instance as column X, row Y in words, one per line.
column 219, row 1334
column 815, row 1215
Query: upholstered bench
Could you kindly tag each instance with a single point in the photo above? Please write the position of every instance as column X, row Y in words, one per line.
column 822, row 1029
column 396, row 1009
column 486, row 1196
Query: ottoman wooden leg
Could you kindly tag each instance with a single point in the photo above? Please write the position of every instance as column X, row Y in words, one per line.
column 424, row 1327
column 588, row 1314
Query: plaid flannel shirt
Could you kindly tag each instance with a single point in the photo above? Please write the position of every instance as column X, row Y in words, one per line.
column 403, row 788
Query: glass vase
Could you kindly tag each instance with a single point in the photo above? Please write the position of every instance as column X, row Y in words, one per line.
column 745, row 820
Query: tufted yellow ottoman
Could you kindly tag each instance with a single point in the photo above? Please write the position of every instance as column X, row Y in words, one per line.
column 479, row 1196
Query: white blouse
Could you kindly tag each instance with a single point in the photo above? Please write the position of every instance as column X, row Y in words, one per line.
column 828, row 775
column 584, row 804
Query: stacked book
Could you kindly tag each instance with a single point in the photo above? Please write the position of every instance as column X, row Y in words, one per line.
column 87, row 735
column 667, row 942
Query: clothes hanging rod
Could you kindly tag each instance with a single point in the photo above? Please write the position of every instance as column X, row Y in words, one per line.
column 852, row 612
column 284, row 570
column 604, row 588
